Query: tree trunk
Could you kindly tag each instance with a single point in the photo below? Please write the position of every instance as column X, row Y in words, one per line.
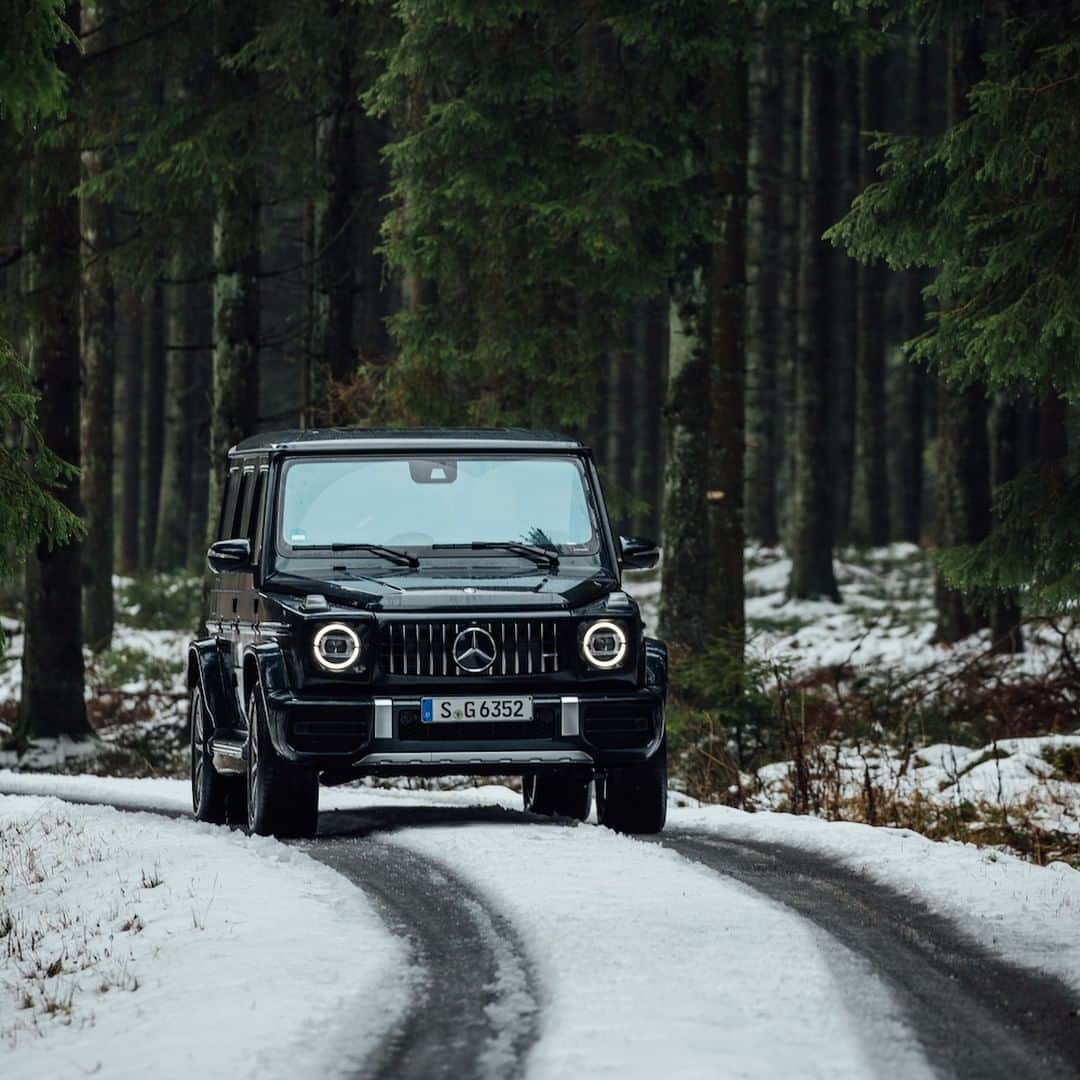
column 812, row 575
column 199, row 422
column 372, row 302
column 332, row 319
column 130, row 443
column 763, row 282
column 870, row 505
column 649, row 439
column 963, row 467
column 787, row 301
column 1005, row 614
column 906, row 483
column 686, row 540
column 235, row 390
column 845, row 273
column 52, row 702
column 152, row 442
column 170, row 546
column 724, row 599
column 98, row 359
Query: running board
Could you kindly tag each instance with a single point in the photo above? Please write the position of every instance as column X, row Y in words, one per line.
column 229, row 756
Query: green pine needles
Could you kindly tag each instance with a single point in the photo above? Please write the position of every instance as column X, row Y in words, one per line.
column 993, row 206
column 29, row 473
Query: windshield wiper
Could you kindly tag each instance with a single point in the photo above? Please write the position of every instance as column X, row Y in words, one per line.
column 401, row 558
column 540, row 556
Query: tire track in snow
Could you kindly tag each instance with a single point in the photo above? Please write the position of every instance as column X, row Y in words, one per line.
column 475, row 1008
column 976, row 1016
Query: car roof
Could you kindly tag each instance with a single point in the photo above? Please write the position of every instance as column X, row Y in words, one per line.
column 322, row 440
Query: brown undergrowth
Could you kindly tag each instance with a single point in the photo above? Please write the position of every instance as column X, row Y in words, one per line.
column 842, row 744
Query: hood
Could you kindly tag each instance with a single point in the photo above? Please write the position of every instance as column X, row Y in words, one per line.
column 452, row 590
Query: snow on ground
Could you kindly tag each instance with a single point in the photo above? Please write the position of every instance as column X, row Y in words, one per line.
column 696, row 974
column 885, row 621
column 131, row 945
column 1011, row 776
column 1025, row 913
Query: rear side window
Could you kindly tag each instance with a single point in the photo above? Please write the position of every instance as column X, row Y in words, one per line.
column 228, row 505
column 243, row 505
column 258, row 510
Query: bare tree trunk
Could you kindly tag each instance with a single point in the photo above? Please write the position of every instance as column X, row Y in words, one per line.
column 649, row 433
column 152, row 442
column 906, row 483
column 870, row 517
column 686, row 541
column 763, row 287
column 1005, row 614
column 812, row 573
column 724, row 600
column 51, row 701
column 235, row 390
column 963, row 466
column 335, row 210
column 131, row 472
column 787, row 301
column 170, row 546
column 199, row 422
column 845, row 274
column 98, row 358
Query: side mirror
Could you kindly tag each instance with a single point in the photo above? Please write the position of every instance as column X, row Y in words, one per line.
column 228, row 555
column 636, row 553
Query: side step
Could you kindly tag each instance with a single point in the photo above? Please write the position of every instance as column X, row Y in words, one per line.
column 229, row 755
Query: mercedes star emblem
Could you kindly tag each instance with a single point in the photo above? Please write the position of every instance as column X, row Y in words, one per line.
column 474, row 650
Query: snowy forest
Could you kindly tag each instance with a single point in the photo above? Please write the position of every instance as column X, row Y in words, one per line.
column 804, row 275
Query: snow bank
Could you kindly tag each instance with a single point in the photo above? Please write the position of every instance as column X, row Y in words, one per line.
column 138, row 946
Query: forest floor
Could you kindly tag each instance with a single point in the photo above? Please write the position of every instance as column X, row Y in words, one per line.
column 854, row 712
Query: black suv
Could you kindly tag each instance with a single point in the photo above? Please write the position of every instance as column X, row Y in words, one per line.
column 423, row 603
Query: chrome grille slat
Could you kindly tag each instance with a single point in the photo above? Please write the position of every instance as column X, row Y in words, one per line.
column 423, row 647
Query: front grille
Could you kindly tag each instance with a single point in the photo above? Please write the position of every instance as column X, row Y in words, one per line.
column 522, row 647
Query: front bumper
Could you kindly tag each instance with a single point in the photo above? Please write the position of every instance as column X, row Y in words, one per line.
column 383, row 735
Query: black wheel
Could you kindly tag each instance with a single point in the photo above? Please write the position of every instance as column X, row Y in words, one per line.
column 557, row 796
column 634, row 799
column 282, row 798
column 213, row 797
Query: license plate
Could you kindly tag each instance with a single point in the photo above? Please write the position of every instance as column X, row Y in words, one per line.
column 458, row 710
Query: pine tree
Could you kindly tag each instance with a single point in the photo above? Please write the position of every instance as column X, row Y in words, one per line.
column 990, row 205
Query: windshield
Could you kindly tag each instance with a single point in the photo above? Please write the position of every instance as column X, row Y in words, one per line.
column 424, row 503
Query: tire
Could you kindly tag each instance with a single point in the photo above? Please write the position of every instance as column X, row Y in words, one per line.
column 557, row 796
column 214, row 798
column 282, row 798
column 634, row 799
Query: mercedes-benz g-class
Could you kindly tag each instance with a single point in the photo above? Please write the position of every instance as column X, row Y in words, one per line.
column 423, row 603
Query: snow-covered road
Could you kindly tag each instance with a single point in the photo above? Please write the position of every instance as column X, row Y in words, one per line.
column 536, row 948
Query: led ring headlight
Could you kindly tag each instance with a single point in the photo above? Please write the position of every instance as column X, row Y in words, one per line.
column 604, row 644
column 336, row 647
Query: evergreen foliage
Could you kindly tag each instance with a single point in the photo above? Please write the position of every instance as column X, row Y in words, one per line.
column 31, row 83
column 29, row 473
column 990, row 205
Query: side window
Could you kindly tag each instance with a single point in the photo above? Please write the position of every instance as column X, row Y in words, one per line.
column 228, row 505
column 258, row 512
column 243, row 505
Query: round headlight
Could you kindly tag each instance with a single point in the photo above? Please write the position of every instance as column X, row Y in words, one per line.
column 336, row 647
column 604, row 644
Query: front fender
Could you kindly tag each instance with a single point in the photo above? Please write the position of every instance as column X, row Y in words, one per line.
column 208, row 668
column 266, row 674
